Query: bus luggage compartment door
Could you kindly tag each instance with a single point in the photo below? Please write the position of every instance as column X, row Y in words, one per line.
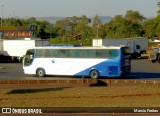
column 113, row 70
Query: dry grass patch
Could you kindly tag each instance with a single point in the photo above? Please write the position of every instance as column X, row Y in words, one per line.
column 122, row 96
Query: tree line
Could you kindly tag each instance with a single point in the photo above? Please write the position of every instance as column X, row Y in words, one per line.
column 82, row 30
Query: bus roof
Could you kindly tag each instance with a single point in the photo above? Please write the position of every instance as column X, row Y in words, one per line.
column 63, row 45
column 103, row 47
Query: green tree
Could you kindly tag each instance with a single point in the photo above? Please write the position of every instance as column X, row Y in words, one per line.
column 149, row 26
column 157, row 25
column 126, row 26
column 40, row 33
column 118, row 27
column 158, row 4
column 61, row 26
column 43, row 28
column 134, row 16
column 73, row 29
column 14, row 22
column 53, row 32
column 81, row 26
column 136, row 30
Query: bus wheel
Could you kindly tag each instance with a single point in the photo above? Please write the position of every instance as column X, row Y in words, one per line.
column 94, row 74
column 40, row 72
column 153, row 61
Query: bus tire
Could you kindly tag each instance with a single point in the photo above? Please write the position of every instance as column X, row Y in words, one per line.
column 40, row 72
column 153, row 61
column 94, row 74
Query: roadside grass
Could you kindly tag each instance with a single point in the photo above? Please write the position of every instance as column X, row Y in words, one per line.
column 85, row 96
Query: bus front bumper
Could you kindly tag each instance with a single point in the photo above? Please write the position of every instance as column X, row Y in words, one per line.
column 27, row 71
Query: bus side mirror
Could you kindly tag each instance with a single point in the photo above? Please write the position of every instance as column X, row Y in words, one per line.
column 31, row 56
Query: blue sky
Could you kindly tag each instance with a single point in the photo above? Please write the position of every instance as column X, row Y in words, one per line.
column 67, row 8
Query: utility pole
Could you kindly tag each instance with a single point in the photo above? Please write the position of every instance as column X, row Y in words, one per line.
column 97, row 31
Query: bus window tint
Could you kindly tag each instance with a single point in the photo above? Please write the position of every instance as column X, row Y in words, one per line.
column 105, row 54
column 113, row 53
column 99, row 53
column 48, row 53
column 55, row 53
column 63, row 53
column 39, row 53
column 75, row 53
column 89, row 53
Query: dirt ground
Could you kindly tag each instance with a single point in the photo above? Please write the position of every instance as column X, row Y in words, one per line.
column 82, row 96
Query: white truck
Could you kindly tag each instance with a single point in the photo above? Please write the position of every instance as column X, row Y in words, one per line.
column 137, row 45
column 11, row 50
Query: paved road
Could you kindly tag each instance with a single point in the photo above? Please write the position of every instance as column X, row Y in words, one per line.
column 14, row 71
column 141, row 69
column 145, row 69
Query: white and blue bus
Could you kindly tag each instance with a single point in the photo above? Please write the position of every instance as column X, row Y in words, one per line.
column 77, row 61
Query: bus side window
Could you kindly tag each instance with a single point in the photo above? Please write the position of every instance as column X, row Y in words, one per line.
column 113, row 53
column 99, row 53
column 105, row 53
column 54, row 53
column 89, row 53
column 75, row 53
column 39, row 53
column 48, row 53
column 63, row 53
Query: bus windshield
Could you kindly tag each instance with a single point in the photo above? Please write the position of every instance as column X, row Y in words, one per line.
column 28, row 57
column 30, row 52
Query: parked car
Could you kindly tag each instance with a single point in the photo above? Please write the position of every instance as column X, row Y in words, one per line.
column 155, row 55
